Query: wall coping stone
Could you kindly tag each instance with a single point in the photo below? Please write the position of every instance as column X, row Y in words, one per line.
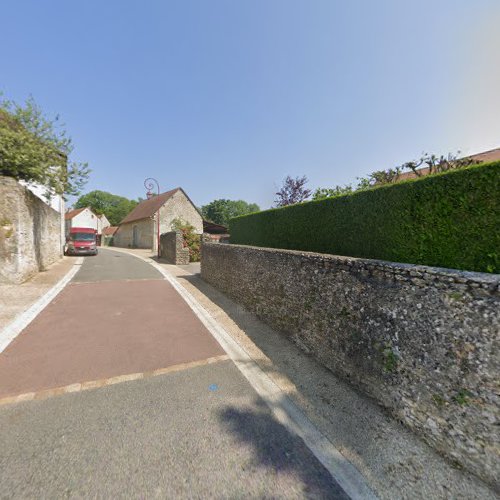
column 456, row 275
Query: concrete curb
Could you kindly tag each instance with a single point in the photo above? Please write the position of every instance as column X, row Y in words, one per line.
column 12, row 330
column 282, row 407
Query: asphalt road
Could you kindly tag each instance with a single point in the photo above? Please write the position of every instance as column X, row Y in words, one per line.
column 199, row 432
column 113, row 265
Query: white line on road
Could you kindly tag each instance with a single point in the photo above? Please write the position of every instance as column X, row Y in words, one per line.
column 282, row 407
column 13, row 329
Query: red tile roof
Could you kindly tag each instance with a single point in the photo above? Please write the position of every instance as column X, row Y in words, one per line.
column 212, row 228
column 487, row 156
column 109, row 231
column 73, row 213
column 148, row 208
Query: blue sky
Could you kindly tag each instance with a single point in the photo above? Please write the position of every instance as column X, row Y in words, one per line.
column 227, row 97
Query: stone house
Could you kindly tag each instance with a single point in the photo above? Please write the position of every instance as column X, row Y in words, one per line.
column 139, row 228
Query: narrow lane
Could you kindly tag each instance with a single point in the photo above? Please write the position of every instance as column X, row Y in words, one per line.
column 200, row 431
column 104, row 324
column 114, row 265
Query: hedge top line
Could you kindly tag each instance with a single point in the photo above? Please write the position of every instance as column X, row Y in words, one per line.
column 395, row 185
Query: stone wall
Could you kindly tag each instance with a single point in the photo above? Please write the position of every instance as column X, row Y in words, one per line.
column 30, row 233
column 424, row 342
column 172, row 248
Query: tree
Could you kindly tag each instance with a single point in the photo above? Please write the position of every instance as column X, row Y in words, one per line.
column 435, row 164
column 322, row 193
column 222, row 210
column 428, row 164
column 114, row 207
column 292, row 191
column 36, row 149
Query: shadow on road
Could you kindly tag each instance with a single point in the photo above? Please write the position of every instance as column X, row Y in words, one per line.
column 284, row 455
column 395, row 462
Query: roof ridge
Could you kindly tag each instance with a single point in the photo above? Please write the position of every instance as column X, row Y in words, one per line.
column 147, row 208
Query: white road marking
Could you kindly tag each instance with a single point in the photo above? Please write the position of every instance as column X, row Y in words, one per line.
column 282, row 407
column 13, row 329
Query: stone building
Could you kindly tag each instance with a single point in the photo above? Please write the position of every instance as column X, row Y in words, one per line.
column 139, row 228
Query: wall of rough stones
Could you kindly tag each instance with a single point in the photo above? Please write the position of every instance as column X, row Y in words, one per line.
column 422, row 341
column 172, row 248
column 30, row 233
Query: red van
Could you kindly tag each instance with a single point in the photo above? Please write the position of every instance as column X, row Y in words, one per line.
column 81, row 241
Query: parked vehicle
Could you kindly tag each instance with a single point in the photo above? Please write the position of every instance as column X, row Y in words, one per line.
column 81, row 241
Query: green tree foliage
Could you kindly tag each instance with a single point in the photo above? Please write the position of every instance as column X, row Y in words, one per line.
column 221, row 211
column 35, row 149
column 114, row 207
column 450, row 219
column 427, row 164
column 434, row 164
column 322, row 193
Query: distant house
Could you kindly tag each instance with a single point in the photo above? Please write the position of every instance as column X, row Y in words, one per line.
column 85, row 217
column 485, row 157
column 109, row 231
column 80, row 217
column 102, row 223
column 213, row 228
column 107, row 237
column 215, row 232
column 139, row 228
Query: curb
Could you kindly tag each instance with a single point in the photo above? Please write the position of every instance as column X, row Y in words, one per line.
column 282, row 407
column 13, row 329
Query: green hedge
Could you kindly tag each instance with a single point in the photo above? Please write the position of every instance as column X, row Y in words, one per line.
column 448, row 220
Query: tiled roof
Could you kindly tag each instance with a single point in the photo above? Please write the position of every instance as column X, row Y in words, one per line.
column 73, row 213
column 148, row 208
column 487, row 156
column 212, row 228
column 109, row 231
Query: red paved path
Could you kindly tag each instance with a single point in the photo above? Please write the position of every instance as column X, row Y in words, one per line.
column 99, row 330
